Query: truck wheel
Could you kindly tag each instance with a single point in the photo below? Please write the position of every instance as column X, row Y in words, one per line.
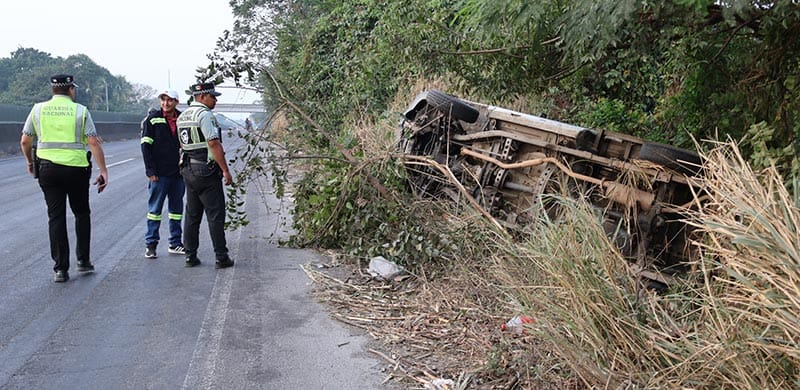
column 677, row 159
column 451, row 105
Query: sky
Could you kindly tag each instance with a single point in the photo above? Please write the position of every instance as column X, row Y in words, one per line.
column 159, row 43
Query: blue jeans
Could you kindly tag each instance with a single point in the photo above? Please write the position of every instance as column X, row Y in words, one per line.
column 171, row 188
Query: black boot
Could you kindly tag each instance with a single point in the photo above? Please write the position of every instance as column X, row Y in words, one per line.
column 61, row 276
column 84, row 266
column 224, row 263
column 191, row 261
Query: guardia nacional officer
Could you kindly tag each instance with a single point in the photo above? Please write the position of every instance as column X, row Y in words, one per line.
column 62, row 130
column 204, row 169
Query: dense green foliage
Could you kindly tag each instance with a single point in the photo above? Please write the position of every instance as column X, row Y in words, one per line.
column 24, row 81
column 673, row 71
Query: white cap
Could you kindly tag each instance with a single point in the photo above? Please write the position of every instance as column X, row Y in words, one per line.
column 171, row 93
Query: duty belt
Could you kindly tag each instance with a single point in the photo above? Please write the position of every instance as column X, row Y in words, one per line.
column 196, row 161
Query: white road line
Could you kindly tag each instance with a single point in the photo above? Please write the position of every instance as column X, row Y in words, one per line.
column 118, row 163
column 202, row 367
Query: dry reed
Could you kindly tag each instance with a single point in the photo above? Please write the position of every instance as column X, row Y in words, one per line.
column 730, row 323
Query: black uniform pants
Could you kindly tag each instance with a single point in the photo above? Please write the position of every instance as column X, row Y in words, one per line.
column 60, row 183
column 204, row 193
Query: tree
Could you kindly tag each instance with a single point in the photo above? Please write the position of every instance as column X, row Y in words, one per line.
column 144, row 96
column 669, row 71
column 24, row 80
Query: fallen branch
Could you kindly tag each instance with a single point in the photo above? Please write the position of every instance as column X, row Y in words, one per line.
column 446, row 171
column 346, row 153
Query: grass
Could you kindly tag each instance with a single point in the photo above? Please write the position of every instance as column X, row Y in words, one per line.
column 730, row 322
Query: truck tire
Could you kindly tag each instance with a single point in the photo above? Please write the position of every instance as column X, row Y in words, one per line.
column 451, row 105
column 677, row 159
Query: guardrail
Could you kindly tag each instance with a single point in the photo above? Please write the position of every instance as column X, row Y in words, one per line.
column 112, row 126
column 232, row 108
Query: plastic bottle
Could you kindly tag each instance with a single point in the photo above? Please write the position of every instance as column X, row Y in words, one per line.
column 516, row 324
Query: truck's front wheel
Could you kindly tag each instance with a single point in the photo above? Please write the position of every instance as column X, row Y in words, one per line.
column 452, row 106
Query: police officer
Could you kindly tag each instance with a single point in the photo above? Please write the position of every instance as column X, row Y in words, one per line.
column 63, row 129
column 203, row 168
column 160, row 148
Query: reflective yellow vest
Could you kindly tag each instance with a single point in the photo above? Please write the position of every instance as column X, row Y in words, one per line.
column 191, row 137
column 59, row 124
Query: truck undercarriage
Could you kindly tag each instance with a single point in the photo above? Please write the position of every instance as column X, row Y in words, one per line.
column 515, row 165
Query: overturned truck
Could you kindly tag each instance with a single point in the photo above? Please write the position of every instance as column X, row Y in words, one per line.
column 514, row 165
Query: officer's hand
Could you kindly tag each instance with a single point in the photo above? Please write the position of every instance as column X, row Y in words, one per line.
column 101, row 182
column 228, row 179
column 153, row 178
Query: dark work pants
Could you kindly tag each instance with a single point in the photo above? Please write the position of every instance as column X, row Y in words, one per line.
column 59, row 183
column 204, row 193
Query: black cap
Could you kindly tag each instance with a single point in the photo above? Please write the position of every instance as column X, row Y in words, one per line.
column 62, row 80
column 202, row 88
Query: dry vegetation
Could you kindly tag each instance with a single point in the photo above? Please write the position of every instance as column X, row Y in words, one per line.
column 444, row 325
column 732, row 322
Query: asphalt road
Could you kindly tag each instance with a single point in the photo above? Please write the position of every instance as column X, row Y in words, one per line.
column 137, row 323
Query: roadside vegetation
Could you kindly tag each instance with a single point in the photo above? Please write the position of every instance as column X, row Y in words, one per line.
column 26, row 70
column 721, row 77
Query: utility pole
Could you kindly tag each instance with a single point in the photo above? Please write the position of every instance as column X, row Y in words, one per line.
column 106, row 88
